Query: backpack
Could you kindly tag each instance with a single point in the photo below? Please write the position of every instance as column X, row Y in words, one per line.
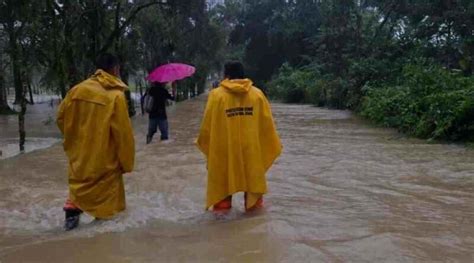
column 148, row 103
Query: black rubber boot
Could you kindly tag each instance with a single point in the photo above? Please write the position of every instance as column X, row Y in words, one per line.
column 72, row 219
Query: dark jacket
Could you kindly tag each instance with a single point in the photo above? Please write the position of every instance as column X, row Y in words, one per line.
column 160, row 96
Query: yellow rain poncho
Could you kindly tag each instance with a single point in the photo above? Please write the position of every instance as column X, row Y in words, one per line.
column 99, row 143
column 239, row 138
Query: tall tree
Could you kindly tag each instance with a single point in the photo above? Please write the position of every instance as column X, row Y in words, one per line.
column 3, row 88
column 13, row 17
column 16, row 16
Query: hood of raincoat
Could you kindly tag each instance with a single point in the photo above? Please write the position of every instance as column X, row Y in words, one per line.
column 237, row 85
column 109, row 81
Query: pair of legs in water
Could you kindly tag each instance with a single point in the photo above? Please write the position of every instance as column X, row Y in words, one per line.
column 153, row 125
column 73, row 213
column 226, row 204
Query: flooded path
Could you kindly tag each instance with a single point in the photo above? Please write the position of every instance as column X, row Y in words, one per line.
column 40, row 126
column 342, row 191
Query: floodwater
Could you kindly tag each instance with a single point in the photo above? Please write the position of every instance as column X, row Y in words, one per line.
column 40, row 127
column 342, row 191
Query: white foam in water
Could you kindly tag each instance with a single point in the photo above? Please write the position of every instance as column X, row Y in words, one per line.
column 47, row 216
column 141, row 209
column 32, row 219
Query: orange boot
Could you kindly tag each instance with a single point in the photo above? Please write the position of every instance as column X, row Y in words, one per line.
column 258, row 204
column 223, row 206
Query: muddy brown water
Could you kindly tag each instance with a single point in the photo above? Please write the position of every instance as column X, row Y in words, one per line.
column 342, row 191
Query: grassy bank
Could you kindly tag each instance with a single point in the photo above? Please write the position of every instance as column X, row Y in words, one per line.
column 431, row 103
column 422, row 100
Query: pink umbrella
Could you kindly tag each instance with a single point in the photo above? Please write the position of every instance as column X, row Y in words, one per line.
column 171, row 72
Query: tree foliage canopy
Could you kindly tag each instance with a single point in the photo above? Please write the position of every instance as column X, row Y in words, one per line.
column 60, row 39
column 337, row 52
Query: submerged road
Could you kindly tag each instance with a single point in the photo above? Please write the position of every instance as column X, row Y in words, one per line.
column 342, row 191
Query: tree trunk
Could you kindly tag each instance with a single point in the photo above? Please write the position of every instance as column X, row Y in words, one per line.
column 21, row 121
column 3, row 96
column 131, row 104
column 117, row 27
column 3, row 90
column 140, row 85
column 73, row 74
column 62, row 88
column 14, row 55
column 30, row 91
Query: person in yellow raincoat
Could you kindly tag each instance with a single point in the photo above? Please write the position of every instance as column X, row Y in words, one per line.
column 99, row 143
column 239, row 139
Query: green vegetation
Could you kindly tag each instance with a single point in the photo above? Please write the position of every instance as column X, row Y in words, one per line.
column 403, row 64
column 55, row 42
column 427, row 101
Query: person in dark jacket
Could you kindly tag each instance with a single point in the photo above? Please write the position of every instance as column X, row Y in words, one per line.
column 157, row 116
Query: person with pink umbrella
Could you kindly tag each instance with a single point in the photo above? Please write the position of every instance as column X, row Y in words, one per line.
column 159, row 96
column 157, row 115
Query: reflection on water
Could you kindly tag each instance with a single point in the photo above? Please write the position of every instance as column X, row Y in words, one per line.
column 342, row 191
column 10, row 148
column 40, row 126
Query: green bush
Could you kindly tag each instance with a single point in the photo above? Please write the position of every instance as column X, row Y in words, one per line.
column 294, row 85
column 421, row 98
column 305, row 85
column 428, row 102
column 335, row 92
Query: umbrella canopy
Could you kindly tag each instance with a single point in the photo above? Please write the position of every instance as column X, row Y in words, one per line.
column 171, row 72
